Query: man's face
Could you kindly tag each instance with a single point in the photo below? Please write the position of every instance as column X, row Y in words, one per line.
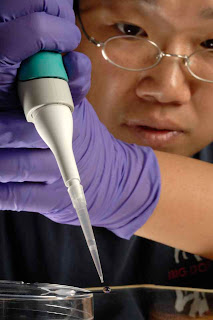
column 164, row 107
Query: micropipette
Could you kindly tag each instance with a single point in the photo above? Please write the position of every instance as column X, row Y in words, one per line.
column 47, row 102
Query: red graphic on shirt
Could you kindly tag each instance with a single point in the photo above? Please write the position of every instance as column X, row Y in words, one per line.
column 189, row 270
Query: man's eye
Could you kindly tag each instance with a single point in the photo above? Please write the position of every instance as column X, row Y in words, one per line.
column 131, row 29
column 208, row 44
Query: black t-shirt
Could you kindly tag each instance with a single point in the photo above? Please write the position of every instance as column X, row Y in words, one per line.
column 35, row 249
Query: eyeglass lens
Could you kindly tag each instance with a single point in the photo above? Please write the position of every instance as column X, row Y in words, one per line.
column 201, row 64
column 131, row 52
column 137, row 53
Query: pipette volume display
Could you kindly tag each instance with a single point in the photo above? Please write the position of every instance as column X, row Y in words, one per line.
column 47, row 102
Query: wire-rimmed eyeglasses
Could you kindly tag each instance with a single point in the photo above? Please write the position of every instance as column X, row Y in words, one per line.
column 134, row 53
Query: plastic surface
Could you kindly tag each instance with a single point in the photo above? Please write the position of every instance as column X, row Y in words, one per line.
column 44, row 302
column 48, row 103
column 79, row 202
column 43, row 64
column 90, row 238
column 54, row 124
column 41, row 92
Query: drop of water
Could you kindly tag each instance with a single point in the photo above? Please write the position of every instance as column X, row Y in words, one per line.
column 106, row 289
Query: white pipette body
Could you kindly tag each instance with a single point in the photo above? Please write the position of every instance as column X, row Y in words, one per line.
column 48, row 103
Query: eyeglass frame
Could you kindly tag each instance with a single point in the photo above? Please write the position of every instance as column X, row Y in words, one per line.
column 162, row 54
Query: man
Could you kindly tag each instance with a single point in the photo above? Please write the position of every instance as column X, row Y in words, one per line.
column 161, row 107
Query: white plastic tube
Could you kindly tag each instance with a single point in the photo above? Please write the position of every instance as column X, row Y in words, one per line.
column 48, row 103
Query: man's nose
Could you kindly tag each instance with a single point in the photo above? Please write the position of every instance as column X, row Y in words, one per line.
column 167, row 83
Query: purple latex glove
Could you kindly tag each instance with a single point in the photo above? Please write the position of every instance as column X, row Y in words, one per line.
column 121, row 181
column 27, row 27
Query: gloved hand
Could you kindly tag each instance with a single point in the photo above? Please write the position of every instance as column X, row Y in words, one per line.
column 121, row 181
column 27, row 27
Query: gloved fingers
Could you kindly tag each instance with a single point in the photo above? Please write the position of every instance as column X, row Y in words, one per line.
column 34, row 165
column 18, row 196
column 33, row 33
column 78, row 67
column 51, row 201
column 33, row 197
column 16, row 132
column 10, row 9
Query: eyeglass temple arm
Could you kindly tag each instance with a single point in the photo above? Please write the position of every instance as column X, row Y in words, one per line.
column 77, row 11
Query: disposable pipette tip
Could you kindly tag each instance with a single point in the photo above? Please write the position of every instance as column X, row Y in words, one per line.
column 94, row 253
column 79, row 202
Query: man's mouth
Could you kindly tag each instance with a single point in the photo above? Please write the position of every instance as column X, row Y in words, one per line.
column 154, row 129
column 155, row 136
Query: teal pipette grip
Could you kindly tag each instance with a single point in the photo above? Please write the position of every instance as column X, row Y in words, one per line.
column 43, row 64
column 43, row 81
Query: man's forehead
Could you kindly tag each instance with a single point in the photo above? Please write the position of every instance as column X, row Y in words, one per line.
column 90, row 4
column 200, row 8
column 205, row 6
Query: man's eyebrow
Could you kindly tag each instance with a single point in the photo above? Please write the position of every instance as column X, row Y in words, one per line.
column 207, row 13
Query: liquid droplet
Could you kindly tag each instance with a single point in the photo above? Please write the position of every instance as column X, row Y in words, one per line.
column 106, row 289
